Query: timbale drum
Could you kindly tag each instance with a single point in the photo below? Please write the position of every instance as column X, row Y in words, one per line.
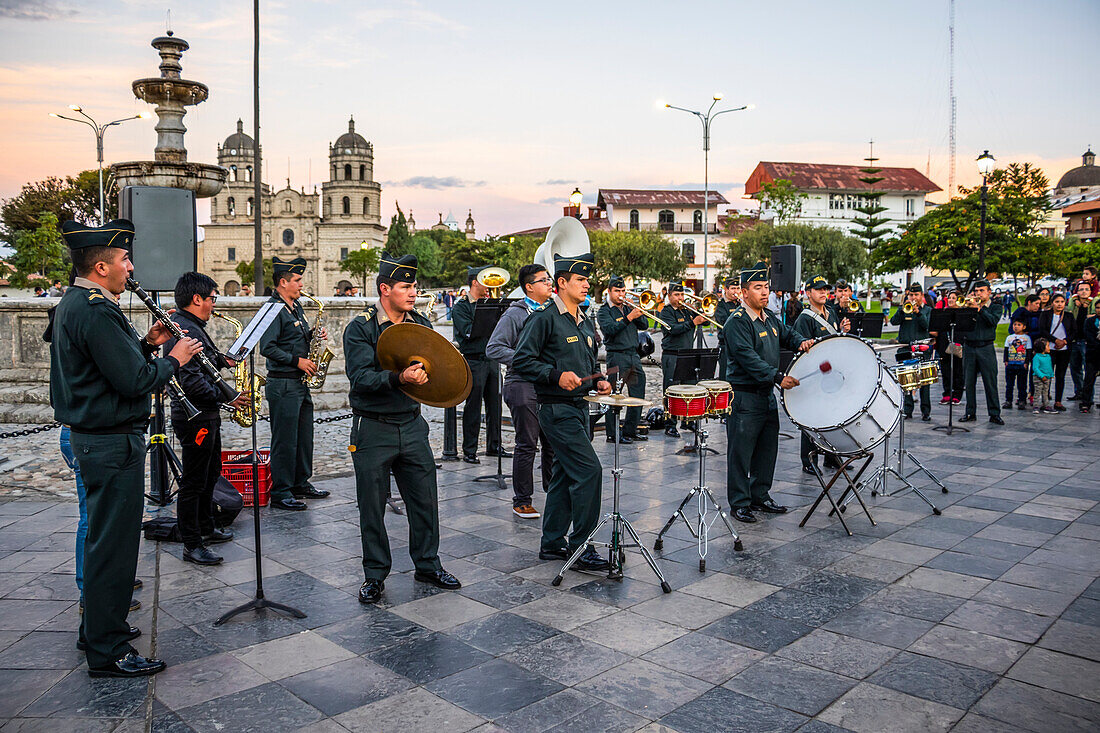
column 719, row 396
column 686, row 401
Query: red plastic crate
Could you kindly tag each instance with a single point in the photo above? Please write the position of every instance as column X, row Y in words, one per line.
column 237, row 469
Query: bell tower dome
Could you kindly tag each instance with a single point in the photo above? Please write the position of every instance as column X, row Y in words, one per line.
column 351, row 193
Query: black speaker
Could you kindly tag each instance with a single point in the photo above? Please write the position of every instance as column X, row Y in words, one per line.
column 786, row 267
column 165, row 233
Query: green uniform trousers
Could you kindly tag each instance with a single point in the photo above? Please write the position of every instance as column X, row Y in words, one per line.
column 400, row 447
column 576, row 479
column 981, row 360
column 752, row 443
column 630, row 368
column 113, row 468
column 668, row 368
column 291, row 409
column 721, row 356
column 925, row 401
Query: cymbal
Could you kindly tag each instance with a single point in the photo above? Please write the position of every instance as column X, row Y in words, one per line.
column 449, row 378
column 617, row 400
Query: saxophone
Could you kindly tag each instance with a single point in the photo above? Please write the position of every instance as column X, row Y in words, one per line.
column 244, row 380
column 319, row 352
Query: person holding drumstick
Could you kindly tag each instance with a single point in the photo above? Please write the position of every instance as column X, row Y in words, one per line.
column 913, row 326
column 753, row 336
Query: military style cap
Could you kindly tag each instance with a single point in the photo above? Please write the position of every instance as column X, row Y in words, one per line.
column 296, row 266
column 915, row 288
column 756, row 273
column 981, row 282
column 402, row 269
column 675, row 287
column 471, row 272
column 616, row 281
column 818, row 283
column 118, row 233
column 841, row 284
column 731, row 280
column 580, row 264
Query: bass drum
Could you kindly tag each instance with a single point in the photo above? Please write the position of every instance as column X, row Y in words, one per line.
column 846, row 400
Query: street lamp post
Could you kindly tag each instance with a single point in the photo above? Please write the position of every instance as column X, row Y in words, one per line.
column 99, row 130
column 575, row 199
column 707, row 118
column 985, row 167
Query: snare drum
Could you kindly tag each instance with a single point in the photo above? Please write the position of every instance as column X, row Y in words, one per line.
column 929, row 373
column 719, row 396
column 686, row 401
column 908, row 375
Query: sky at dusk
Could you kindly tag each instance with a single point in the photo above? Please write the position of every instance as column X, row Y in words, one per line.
column 504, row 107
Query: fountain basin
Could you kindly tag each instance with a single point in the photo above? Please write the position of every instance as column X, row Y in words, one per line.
column 202, row 178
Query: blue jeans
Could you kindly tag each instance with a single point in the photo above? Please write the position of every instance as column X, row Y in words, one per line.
column 1077, row 364
column 82, row 525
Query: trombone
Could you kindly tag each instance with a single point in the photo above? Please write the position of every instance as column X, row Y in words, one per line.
column 702, row 306
column 647, row 302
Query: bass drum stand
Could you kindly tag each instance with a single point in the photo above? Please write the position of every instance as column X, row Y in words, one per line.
column 705, row 504
column 620, row 527
column 850, row 491
column 893, row 464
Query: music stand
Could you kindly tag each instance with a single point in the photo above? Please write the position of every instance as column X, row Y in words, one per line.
column 865, row 325
column 487, row 313
column 245, row 345
column 691, row 366
column 962, row 320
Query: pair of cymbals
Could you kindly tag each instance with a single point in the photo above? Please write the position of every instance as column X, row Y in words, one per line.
column 617, row 400
column 449, row 379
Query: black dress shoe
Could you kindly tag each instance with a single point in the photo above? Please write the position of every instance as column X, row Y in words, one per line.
column 471, row 459
column 134, row 633
column 624, row 440
column 562, row 554
column 310, row 493
column 810, row 470
column 500, row 452
column 968, row 418
column 638, row 438
column 371, row 591
column 293, row 505
column 744, row 514
column 132, row 665
column 201, row 556
column 672, row 432
column 217, row 536
column 769, row 507
column 926, row 418
column 996, row 420
column 591, row 561
column 439, row 578
column 138, row 584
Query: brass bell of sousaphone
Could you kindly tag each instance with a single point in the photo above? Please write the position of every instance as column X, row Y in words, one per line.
column 449, row 380
column 567, row 237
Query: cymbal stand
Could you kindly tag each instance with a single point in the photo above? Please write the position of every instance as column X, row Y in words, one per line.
column 893, row 464
column 621, row 530
column 706, row 503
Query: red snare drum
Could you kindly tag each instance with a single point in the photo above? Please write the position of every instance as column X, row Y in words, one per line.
column 686, row 401
column 719, row 396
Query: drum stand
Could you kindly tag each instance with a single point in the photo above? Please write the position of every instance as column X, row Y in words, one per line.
column 705, row 503
column 620, row 528
column 696, row 446
column 877, row 482
column 852, row 481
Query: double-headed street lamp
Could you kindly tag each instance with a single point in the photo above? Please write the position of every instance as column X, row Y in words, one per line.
column 98, row 130
column 985, row 167
column 706, row 118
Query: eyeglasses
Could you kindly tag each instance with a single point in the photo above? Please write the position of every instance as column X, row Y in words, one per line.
column 541, row 280
column 213, row 298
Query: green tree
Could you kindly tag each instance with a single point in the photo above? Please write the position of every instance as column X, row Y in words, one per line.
column 640, row 254
column 361, row 263
column 85, row 195
column 825, row 251
column 781, row 197
column 1074, row 255
column 39, row 254
column 869, row 225
column 398, row 240
column 246, row 269
column 429, row 259
column 66, row 198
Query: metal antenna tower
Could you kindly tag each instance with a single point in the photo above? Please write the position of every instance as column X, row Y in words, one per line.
column 951, row 93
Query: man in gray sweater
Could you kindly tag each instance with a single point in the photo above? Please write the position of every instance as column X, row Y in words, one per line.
column 537, row 286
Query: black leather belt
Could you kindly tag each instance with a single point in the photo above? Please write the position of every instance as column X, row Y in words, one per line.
column 761, row 389
column 386, row 417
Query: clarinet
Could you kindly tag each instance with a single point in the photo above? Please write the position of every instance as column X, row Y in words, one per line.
column 225, row 390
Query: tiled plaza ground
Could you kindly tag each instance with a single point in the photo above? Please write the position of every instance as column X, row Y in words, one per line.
column 983, row 619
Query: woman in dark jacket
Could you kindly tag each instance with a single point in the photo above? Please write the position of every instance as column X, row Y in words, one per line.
column 1059, row 328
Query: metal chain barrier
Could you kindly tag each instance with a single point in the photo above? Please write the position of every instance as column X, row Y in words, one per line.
column 316, row 421
column 30, row 431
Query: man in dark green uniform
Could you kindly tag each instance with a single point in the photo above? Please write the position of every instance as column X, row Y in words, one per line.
column 753, row 336
column 680, row 334
column 620, row 323
column 286, row 346
column 101, row 377
column 388, row 435
column 812, row 323
column 914, row 327
column 844, row 302
column 484, row 372
column 979, row 356
column 731, row 298
column 555, row 353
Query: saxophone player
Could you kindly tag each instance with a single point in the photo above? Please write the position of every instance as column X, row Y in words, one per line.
column 200, row 437
column 286, row 347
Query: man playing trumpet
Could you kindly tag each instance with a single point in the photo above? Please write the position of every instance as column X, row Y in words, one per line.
column 620, row 323
column 912, row 321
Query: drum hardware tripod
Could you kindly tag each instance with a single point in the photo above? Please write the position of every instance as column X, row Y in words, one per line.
column 853, row 482
column 696, row 446
column 619, row 525
column 705, row 501
column 951, row 427
column 877, row 482
column 497, row 477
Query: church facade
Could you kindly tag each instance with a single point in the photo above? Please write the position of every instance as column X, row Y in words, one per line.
column 321, row 227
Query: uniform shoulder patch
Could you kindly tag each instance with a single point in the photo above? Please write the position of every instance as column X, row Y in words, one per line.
column 95, row 297
column 369, row 312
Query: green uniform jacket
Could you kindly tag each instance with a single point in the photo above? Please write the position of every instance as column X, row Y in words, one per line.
column 724, row 309
column 682, row 331
column 553, row 342
column 373, row 389
column 810, row 328
column 462, row 320
column 913, row 326
column 100, row 374
column 286, row 341
column 986, row 328
column 752, row 348
column 619, row 333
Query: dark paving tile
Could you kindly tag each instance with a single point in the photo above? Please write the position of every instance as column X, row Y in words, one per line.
column 878, row 626
column 256, row 710
column 804, row 608
column 989, row 502
column 1007, row 623
column 168, row 722
column 927, row 538
column 791, row 685
column 1083, row 611
column 1037, row 709
column 847, row 588
column 600, row 718
column 621, row 594
column 976, row 565
column 428, row 658
column 914, row 602
column 507, row 559
column 494, row 688
column 20, row 615
column 819, row 726
column 505, row 591
column 725, row 710
column 938, row 680
column 567, row 659
column 756, row 630
column 556, row 709
column 22, row 687
column 1037, row 524
column 78, row 695
column 373, row 630
column 964, row 527
column 1073, row 638
column 183, row 644
column 345, row 685
column 992, row 548
column 502, row 633
column 43, row 650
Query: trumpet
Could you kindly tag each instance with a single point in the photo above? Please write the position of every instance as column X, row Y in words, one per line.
column 908, row 307
column 702, row 306
column 494, row 278
column 647, row 302
column 853, row 306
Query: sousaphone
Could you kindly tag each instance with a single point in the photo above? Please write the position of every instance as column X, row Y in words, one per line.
column 449, row 380
column 567, row 237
